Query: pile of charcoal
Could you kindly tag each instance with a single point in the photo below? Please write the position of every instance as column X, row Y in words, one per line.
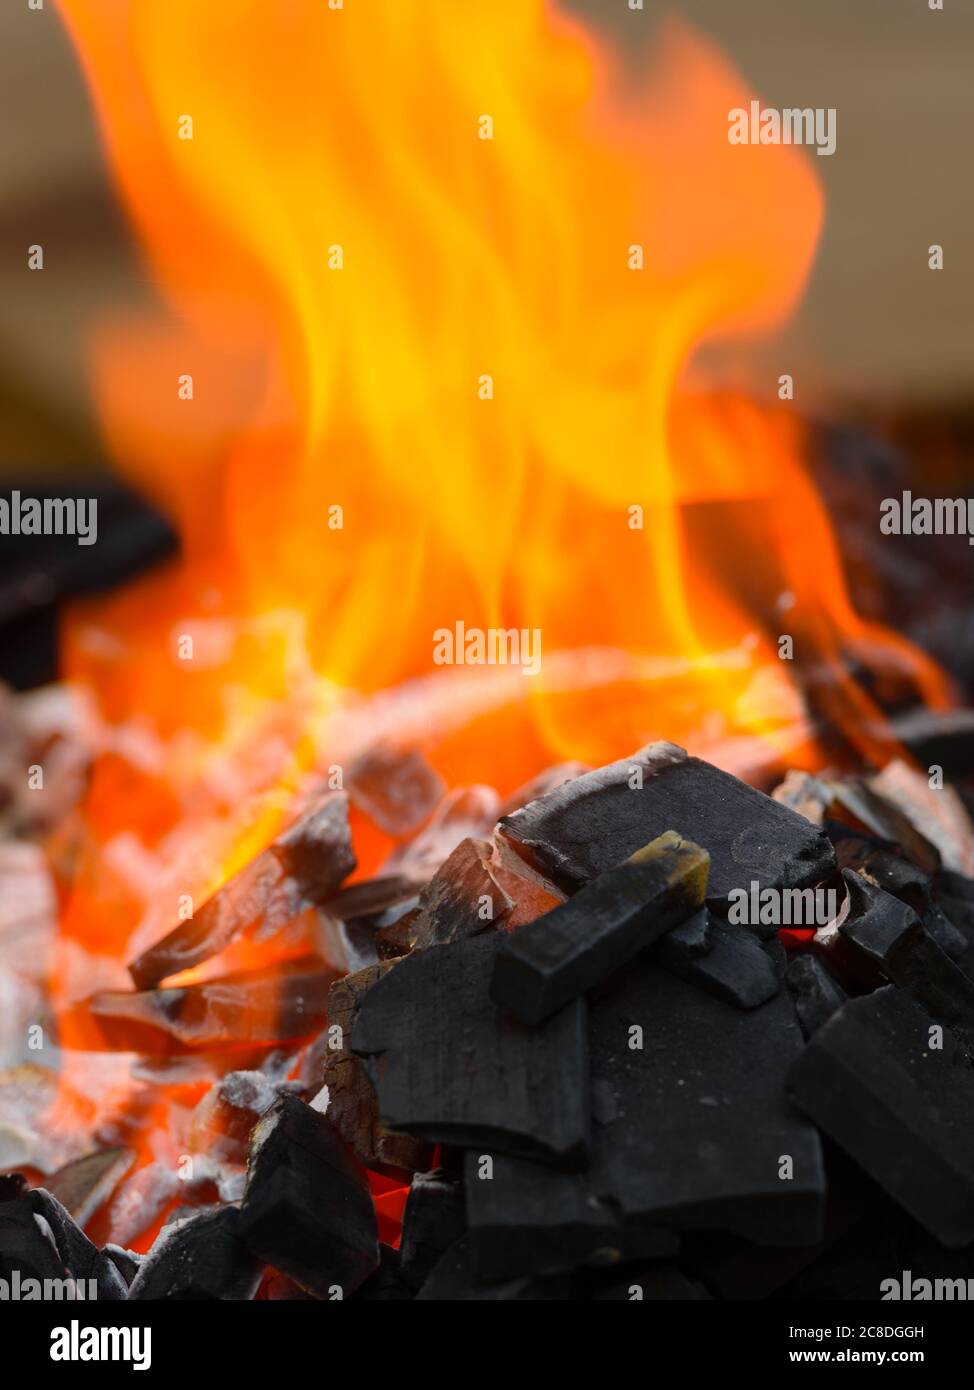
column 597, row 1040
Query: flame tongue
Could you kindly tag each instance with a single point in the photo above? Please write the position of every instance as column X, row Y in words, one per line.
column 431, row 280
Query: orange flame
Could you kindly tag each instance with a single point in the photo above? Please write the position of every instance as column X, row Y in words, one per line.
column 451, row 340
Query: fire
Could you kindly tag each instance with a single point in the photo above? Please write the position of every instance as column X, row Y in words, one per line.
column 432, row 280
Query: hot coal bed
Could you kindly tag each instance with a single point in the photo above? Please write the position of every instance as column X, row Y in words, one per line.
column 579, row 1030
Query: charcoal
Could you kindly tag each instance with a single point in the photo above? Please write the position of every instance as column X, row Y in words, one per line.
column 373, row 895
column 464, row 812
column 902, row 1107
column 696, row 1138
column 85, row 1184
column 887, row 933
column 462, row 899
column 398, row 938
column 387, row 1284
column 452, row 1068
column 199, row 1256
column 545, row 782
column 690, row 939
column 531, row 894
column 316, row 850
column 127, row 1262
column 433, row 1220
column 937, row 813
column 736, row 969
column 455, row 1278
column 12, row 1185
column 816, row 994
column 941, row 737
column 307, row 1209
column 223, row 1119
column 284, row 1001
column 352, row 1106
column 569, row 950
column 262, row 895
column 395, row 787
column 39, row 1238
column 860, row 806
column 597, row 821
column 653, row 1282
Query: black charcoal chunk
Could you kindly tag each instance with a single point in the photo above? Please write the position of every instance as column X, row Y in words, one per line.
column 570, row 949
column 127, row 1262
column 353, row 1107
column 875, row 1079
column 307, row 1209
column 816, row 994
column 434, row 1219
column 451, row 1067
column 387, row 1284
column 199, row 1255
column 691, row 938
column 736, row 969
column 698, row 1137
column 455, row 1278
column 462, row 899
column 596, row 821
column 39, row 1240
column 887, row 933
column 656, row 1282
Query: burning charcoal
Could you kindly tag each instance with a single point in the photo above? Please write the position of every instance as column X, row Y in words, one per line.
column 199, row 1255
column 308, row 1211
column 79, row 1258
column 563, row 954
column 373, row 895
column 462, row 899
column 881, row 930
column 736, row 969
column 224, row 1118
column 433, row 1220
column 305, row 864
column 352, row 1106
column 936, row 813
column 260, row 895
column 597, row 821
column 83, row 1186
column 29, row 1135
column 28, row 908
column 815, row 992
column 541, row 785
column 398, row 938
column 455, row 1278
column 531, row 893
column 396, row 788
column 386, row 1285
column 467, row 812
column 902, row 1107
column 284, row 1001
column 861, row 807
column 316, row 850
column 452, row 1068
column 698, row 1138
column 127, row 1262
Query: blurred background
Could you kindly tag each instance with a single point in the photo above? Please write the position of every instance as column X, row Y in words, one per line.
column 879, row 337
